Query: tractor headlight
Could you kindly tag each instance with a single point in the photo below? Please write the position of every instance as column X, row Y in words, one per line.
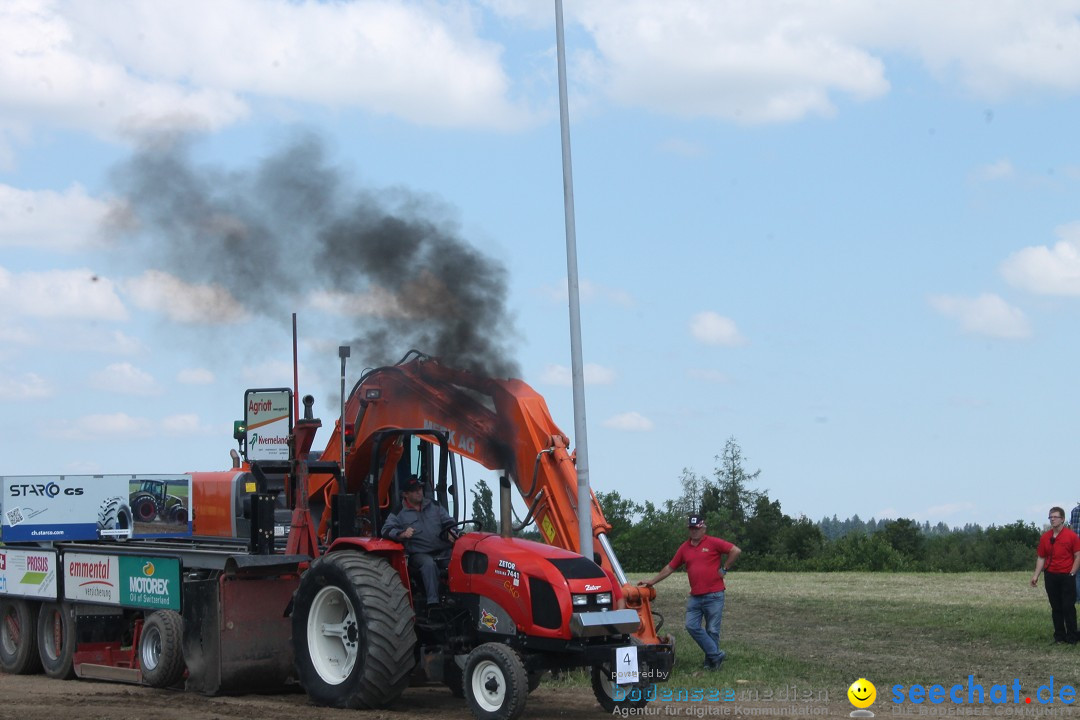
column 603, row 598
column 579, row 599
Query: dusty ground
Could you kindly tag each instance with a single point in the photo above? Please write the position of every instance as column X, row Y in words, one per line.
column 35, row 697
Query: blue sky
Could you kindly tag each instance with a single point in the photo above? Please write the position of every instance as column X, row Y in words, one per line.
column 849, row 239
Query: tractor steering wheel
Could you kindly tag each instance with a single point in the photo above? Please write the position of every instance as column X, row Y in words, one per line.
column 451, row 531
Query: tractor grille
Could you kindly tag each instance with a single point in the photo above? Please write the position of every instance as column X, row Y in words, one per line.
column 545, row 606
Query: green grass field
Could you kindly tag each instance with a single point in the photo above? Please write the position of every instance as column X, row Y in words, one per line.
column 822, row 631
column 825, row 630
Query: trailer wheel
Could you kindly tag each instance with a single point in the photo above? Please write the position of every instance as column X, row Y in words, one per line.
column 56, row 640
column 496, row 684
column 161, row 649
column 613, row 697
column 353, row 631
column 18, row 639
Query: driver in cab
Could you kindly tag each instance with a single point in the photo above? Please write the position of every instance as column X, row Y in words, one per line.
column 421, row 526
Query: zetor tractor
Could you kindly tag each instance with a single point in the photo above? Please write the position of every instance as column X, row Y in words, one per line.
column 152, row 501
column 510, row 609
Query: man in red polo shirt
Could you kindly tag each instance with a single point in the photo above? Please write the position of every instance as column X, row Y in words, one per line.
column 1058, row 558
column 707, row 561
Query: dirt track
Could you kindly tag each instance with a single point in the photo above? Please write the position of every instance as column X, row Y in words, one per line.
column 35, row 697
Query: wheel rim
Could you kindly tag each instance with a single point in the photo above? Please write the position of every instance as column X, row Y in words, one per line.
column 333, row 635
column 489, row 686
column 151, row 648
column 147, row 511
column 605, row 682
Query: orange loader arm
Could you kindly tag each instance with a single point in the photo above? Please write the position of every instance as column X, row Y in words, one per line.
column 503, row 425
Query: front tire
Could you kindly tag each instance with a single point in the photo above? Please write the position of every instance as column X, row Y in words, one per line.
column 353, row 634
column 56, row 640
column 18, row 636
column 161, row 650
column 496, row 684
column 614, row 697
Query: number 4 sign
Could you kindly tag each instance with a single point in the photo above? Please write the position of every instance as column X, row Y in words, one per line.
column 626, row 666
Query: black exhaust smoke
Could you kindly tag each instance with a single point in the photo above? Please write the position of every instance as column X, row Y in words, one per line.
column 292, row 232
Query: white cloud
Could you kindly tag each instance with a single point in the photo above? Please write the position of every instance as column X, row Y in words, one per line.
column 181, row 425
column 629, row 421
column 589, row 291
column 15, row 335
column 377, row 302
column 999, row 170
column 1047, row 270
column 125, row 379
column 783, row 61
column 48, row 219
column 747, row 62
column 714, row 329
column 57, row 67
column 119, row 426
column 683, row 148
column 28, row 387
column 987, row 315
column 60, row 294
column 708, row 375
column 562, row 375
column 195, row 376
column 196, row 64
column 183, row 302
column 949, row 509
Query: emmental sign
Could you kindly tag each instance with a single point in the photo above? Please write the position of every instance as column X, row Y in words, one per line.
column 131, row 581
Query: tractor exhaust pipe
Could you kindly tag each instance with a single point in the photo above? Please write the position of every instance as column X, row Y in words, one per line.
column 505, row 524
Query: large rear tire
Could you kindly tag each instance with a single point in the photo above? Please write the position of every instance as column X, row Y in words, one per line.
column 144, row 507
column 353, row 631
column 18, row 636
column 496, row 684
column 161, row 650
column 56, row 640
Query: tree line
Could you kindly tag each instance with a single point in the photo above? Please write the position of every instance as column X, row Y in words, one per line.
column 645, row 536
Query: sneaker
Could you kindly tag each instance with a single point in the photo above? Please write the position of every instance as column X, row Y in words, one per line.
column 716, row 662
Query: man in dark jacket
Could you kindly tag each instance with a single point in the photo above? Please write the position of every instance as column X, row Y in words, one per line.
column 421, row 527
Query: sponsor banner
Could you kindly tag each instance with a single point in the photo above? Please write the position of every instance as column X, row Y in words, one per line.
column 38, row 508
column 92, row 578
column 131, row 581
column 29, row 573
column 268, row 422
column 150, row 582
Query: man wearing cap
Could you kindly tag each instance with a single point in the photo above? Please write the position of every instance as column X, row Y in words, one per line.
column 421, row 527
column 707, row 561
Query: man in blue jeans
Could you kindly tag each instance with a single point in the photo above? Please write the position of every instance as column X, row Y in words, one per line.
column 707, row 561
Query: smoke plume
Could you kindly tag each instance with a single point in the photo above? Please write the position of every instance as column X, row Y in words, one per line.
column 293, row 233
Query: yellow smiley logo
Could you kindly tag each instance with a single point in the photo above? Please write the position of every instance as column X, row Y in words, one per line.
column 862, row 693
